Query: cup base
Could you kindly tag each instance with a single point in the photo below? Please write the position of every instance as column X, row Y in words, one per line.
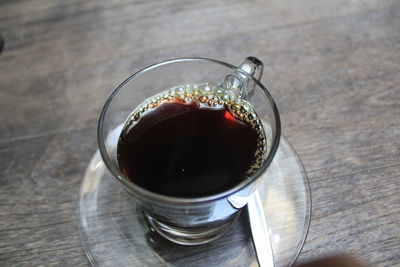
column 188, row 236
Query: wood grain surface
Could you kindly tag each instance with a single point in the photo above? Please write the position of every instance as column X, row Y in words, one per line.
column 332, row 66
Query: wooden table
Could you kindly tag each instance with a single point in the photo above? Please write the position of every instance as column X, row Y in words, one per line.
column 332, row 66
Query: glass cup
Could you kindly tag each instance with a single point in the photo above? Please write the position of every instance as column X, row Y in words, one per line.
column 189, row 221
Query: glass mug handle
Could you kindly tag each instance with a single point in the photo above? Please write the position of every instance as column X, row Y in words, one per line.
column 239, row 83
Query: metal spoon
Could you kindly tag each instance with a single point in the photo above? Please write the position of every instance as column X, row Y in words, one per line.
column 259, row 230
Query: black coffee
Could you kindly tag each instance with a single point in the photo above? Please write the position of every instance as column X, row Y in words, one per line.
column 191, row 143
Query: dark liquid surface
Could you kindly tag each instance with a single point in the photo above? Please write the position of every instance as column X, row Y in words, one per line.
column 182, row 150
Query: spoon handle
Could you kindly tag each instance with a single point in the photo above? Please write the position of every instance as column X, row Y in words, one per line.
column 259, row 230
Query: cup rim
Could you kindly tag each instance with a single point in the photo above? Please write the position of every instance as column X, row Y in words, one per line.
column 145, row 194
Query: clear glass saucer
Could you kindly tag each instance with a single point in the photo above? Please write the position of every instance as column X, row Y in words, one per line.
column 113, row 232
